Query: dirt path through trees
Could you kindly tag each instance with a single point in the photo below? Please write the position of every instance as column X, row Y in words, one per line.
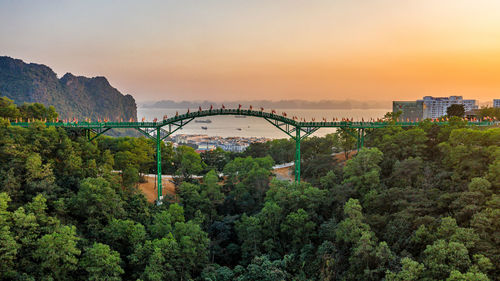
column 149, row 187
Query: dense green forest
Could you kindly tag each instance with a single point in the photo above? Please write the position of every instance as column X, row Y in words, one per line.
column 419, row 203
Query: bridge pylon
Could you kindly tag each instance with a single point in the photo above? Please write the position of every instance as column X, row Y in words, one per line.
column 297, row 154
column 158, row 165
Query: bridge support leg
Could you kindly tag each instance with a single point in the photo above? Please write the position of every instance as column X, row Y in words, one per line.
column 360, row 138
column 158, row 166
column 86, row 134
column 297, row 154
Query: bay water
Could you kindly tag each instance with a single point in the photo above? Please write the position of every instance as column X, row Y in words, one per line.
column 230, row 126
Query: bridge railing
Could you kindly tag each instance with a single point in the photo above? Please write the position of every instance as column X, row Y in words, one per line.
column 245, row 112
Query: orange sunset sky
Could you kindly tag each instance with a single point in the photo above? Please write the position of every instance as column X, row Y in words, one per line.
column 228, row 50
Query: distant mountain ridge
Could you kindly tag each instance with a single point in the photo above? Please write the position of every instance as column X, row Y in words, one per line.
column 72, row 96
column 288, row 104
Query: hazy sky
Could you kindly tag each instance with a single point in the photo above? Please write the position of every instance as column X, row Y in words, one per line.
column 273, row 49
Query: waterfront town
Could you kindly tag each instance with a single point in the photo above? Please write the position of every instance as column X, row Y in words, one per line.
column 203, row 143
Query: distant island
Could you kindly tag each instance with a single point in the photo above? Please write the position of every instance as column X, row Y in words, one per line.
column 289, row 104
column 72, row 96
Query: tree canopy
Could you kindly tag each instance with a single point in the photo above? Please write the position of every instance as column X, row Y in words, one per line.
column 457, row 110
column 418, row 203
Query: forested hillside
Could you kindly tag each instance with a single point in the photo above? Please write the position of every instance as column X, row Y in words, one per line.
column 72, row 96
column 421, row 203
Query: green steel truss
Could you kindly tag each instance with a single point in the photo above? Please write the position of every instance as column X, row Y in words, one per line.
column 158, row 131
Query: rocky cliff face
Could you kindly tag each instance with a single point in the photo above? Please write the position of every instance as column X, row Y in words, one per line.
column 72, row 96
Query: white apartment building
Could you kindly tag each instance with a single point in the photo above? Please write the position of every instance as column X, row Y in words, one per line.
column 435, row 107
column 496, row 103
column 233, row 147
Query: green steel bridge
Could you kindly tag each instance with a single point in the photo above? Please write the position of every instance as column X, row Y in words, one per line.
column 295, row 129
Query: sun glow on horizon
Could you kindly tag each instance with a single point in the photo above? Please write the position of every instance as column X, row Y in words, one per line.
column 259, row 49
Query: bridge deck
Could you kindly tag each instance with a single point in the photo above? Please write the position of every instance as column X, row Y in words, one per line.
column 262, row 114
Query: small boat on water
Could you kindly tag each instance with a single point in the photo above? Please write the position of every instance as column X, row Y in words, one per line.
column 203, row 121
column 204, row 128
column 239, row 129
column 240, row 116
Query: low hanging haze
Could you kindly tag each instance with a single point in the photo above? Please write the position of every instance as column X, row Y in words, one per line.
column 246, row 50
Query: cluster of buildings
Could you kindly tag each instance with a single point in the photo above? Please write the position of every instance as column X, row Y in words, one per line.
column 206, row 143
column 434, row 107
